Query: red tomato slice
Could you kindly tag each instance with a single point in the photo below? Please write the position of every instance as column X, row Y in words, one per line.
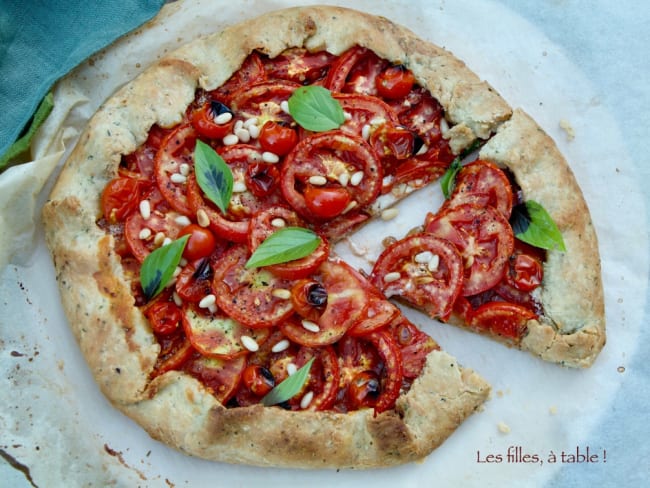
column 329, row 155
column 176, row 149
column 422, row 269
column 175, row 351
column 424, row 168
column 379, row 313
column 365, row 110
column 482, row 183
column 121, row 197
column 216, row 334
column 483, row 237
column 142, row 160
column 323, row 379
column 262, row 101
column 340, row 69
column 219, row 376
column 526, row 270
column 414, row 344
column 247, row 294
column 347, row 300
column 251, row 71
column 164, row 223
column 420, row 113
column 371, row 372
column 243, row 204
column 299, row 65
column 395, row 82
column 363, row 74
column 266, row 222
column 503, row 319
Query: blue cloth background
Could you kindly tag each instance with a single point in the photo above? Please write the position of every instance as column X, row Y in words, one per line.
column 41, row 40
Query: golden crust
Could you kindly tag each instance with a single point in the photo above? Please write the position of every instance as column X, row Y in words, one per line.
column 116, row 339
column 572, row 329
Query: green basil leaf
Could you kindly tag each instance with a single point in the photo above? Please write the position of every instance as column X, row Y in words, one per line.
column 158, row 267
column 313, row 108
column 213, row 175
column 532, row 224
column 289, row 387
column 284, row 245
column 448, row 180
column 19, row 148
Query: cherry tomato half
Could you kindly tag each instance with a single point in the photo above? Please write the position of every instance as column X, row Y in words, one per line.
column 121, row 197
column 277, row 138
column 203, row 119
column 326, row 203
column 395, row 82
column 201, row 243
column 163, row 316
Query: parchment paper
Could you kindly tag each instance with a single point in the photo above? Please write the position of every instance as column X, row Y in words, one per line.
column 58, row 430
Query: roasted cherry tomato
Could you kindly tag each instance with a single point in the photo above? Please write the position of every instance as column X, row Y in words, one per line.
column 483, row 237
column 526, row 272
column 423, row 270
column 482, row 183
column 277, row 138
column 269, row 220
column 219, row 376
column 309, row 299
column 164, row 317
column 177, row 149
column 216, row 334
column 258, row 380
column 347, row 300
column 121, row 197
column 201, row 243
column 502, row 318
column 299, row 65
column 204, row 120
column 323, row 168
column 247, row 295
column 395, row 82
column 262, row 179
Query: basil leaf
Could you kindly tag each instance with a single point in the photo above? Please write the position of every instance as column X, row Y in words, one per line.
column 213, row 175
column 314, row 109
column 448, row 180
column 532, row 224
column 289, row 387
column 284, row 245
column 158, row 267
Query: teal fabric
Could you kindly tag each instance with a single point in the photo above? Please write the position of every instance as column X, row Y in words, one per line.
column 41, row 40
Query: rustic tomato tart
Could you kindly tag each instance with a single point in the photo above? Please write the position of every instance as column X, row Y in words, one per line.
column 193, row 226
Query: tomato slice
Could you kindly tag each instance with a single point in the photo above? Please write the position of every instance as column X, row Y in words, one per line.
column 323, row 379
column 219, row 376
column 266, row 222
column 483, row 237
column 141, row 244
column 177, row 149
column 216, row 334
column 526, row 270
column 299, row 65
column 175, row 351
column 347, row 300
column 422, row 269
column 247, row 295
column 263, row 101
column 365, row 110
column 234, row 224
column 482, row 183
column 503, row 319
column 424, row 168
column 251, row 71
column 371, row 372
column 379, row 313
column 121, row 197
column 362, row 77
column 414, row 345
column 340, row 69
column 334, row 158
column 420, row 113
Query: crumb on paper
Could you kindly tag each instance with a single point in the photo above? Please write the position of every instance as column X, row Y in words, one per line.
column 356, row 249
column 566, row 126
column 552, row 410
column 503, row 428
